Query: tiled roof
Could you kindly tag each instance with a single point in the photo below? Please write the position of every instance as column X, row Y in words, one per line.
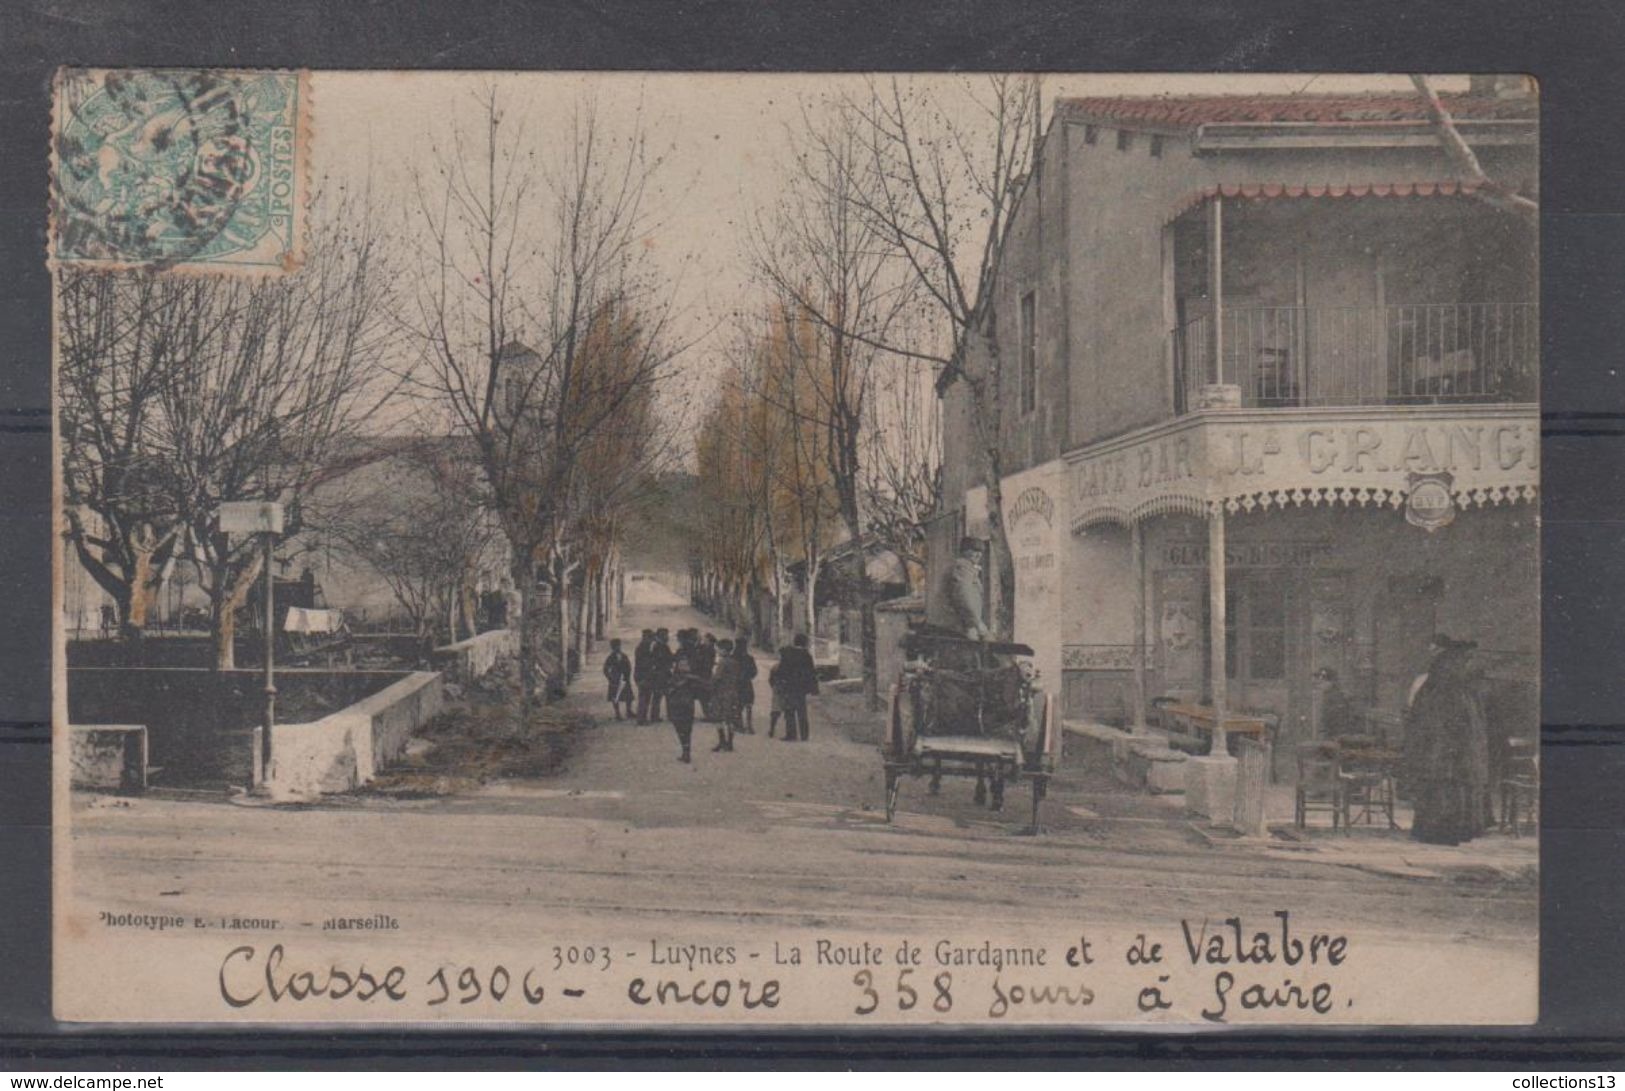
column 1188, row 111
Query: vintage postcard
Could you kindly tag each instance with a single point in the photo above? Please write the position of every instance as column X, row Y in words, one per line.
column 796, row 550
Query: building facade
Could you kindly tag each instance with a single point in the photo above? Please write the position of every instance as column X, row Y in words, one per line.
column 1268, row 376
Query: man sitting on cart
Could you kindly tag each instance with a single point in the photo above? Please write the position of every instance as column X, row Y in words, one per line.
column 964, row 590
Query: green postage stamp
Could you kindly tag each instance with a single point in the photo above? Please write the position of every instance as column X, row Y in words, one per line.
column 180, row 169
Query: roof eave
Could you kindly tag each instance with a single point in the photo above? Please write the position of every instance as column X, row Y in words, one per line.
column 1225, row 136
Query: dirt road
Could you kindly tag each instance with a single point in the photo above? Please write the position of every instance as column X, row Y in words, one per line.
column 758, row 849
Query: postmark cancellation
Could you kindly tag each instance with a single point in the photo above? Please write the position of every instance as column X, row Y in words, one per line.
column 186, row 170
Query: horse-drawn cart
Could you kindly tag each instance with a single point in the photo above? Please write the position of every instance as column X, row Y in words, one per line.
column 969, row 708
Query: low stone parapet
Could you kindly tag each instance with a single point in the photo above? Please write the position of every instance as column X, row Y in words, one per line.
column 1141, row 761
column 347, row 749
column 1210, row 787
column 108, row 757
column 473, row 658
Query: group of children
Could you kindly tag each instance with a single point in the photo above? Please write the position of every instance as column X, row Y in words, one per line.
column 711, row 676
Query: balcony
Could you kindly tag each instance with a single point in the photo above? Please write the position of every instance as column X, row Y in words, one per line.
column 1398, row 354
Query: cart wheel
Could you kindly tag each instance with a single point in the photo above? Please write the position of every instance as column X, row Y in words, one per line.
column 892, row 783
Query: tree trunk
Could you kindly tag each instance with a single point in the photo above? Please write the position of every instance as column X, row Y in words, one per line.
column 1000, row 562
column 601, row 601
column 562, row 590
column 524, row 578
column 228, row 597
column 581, row 637
column 137, row 602
column 870, row 641
column 812, row 601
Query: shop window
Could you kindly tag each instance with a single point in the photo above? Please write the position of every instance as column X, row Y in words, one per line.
column 1029, row 354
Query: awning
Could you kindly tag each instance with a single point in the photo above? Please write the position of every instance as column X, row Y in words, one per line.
column 1262, row 191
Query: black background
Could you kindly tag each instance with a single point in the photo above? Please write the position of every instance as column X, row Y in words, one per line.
column 1574, row 48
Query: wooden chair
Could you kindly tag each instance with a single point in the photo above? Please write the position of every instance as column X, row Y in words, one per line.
column 1320, row 788
column 1520, row 788
column 1367, row 781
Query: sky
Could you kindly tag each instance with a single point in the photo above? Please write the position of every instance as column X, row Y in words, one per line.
column 725, row 136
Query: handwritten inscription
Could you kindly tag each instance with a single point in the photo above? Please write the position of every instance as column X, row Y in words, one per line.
column 1217, row 969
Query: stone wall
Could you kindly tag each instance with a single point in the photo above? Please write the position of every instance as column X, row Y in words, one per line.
column 108, row 757
column 347, row 749
column 200, row 724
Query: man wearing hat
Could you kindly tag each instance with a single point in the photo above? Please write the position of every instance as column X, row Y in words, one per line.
column 659, row 680
column 964, row 590
column 684, row 690
column 640, row 673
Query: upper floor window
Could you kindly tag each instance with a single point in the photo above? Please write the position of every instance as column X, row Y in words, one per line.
column 1156, row 147
column 1091, row 133
column 1029, row 353
column 1124, row 140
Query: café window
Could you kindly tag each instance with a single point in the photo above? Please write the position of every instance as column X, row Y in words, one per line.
column 1255, row 629
column 1029, row 354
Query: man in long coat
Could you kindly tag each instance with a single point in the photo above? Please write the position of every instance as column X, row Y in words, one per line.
column 660, row 666
column 682, row 691
column 797, row 680
column 640, row 673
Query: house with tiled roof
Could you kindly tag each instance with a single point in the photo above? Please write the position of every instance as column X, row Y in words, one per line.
column 1268, row 375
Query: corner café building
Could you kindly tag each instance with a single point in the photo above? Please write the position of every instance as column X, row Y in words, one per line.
column 1227, row 556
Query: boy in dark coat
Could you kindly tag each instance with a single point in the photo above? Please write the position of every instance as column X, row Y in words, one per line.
column 618, row 673
column 725, row 696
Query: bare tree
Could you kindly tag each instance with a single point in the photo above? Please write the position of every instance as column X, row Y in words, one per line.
column 122, row 339
column 902, row 462
column 520, row 252
column 422, row 522
column 1466, row 162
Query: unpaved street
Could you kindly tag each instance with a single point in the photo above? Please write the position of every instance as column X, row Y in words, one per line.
column 774, row 841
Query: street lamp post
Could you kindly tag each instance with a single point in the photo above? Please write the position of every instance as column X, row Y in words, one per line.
column 265, row 518
column 270, row 659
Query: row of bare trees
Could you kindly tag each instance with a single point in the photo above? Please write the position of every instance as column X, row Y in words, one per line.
column 176, row 395
column 879, row 259
column 546, row 340
column 514, row 329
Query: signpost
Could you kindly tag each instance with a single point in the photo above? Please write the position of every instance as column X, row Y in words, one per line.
column 263, row 517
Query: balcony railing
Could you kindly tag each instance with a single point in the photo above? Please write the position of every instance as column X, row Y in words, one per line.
column 1400, row 354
